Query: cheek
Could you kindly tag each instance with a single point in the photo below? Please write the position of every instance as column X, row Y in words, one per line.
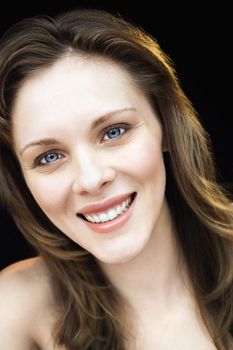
column 144, row 159
column 48, row 191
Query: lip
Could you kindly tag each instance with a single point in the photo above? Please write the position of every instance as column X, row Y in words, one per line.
column 113, row 225
column 98, row 208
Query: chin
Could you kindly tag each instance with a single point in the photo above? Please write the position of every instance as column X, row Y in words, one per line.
column 119, row 256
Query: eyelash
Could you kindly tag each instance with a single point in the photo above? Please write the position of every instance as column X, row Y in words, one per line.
column 38, row 160
column 119, row 126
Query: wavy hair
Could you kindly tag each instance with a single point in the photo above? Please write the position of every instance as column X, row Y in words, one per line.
column 88, row 303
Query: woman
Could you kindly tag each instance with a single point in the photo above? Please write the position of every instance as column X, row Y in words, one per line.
column 133, row 233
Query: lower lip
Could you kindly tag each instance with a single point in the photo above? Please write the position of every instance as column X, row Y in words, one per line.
column 114, row 224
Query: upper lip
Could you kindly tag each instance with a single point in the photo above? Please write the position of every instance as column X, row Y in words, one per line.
column 95, row 208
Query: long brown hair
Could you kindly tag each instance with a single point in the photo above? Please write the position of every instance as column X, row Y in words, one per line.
column 88, row 303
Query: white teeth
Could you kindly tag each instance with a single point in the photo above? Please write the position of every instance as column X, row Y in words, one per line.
column 96, row 218
column 124, row 205
column 118, row 209
column 103, row 217
column 89, row 218
column 111, row 213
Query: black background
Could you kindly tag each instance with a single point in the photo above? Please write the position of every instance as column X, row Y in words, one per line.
column 197, row 39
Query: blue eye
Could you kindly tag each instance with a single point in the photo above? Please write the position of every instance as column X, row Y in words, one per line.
column 113, row 133
column 116, row 131
column 47, row 159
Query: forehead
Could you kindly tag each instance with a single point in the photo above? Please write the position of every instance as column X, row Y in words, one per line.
column 73, row 89
column 84, row 78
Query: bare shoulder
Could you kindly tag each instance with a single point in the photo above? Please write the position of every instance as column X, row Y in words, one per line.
column 25, row 296
column 24, row 277
column 22, row 270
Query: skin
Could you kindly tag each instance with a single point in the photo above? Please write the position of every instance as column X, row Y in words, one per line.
column 140, row 258
column 91, row 170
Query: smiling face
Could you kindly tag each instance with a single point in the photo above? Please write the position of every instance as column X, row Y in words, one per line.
column 70, row 161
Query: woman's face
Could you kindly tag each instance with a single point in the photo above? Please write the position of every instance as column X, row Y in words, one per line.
column 84, row 134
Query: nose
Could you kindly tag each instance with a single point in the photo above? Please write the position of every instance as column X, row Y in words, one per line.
column 91, row 173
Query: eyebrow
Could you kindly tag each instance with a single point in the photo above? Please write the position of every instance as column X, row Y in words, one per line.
column 94, row 124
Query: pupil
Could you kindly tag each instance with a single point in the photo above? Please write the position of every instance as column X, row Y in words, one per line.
column 51, row 157
column 113, row 132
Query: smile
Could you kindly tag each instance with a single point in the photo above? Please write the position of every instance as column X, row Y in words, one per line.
column 112, row 213
column 112, row 219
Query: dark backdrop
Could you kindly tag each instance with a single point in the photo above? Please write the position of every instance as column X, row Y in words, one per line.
column 198, row 42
